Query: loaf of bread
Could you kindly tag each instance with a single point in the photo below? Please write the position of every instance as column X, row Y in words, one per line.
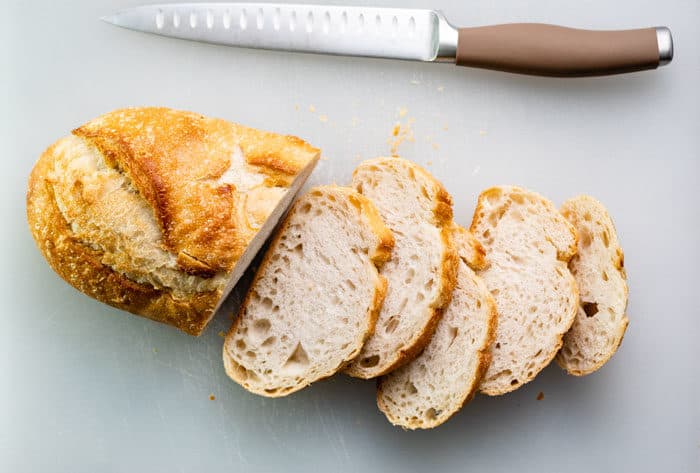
column 316, row 296
column 528, row 244
column 422, row 271
column 158, row 212
column 599, row 271
column 433, row 387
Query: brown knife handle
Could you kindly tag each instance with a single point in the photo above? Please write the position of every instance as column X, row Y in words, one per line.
column 548, row 50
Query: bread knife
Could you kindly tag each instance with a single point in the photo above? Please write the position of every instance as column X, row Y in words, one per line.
column 411, row 34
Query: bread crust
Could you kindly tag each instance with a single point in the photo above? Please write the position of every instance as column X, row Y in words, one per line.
column 564, row 254
column 173, row 160
column 382, row 252
column 81, row 266
column 442, row 213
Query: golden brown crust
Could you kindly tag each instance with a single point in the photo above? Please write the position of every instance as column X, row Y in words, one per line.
column 384, row 244
column 81, row 266
column 175, row 158
column 173, row 161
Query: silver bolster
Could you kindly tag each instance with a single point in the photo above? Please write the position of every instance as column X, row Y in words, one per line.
column 665, row 42
column 447, row 37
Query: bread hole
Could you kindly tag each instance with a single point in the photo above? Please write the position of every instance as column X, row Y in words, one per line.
column 514, row 382
column 411, row 173
column 250, row 354
column 358, row 188
column 431, row 414
column 495, row 292
column 529, row 374
column 240, row 344
column 478, row 303
column 587, row 217
column 517, row 216
column 297, row 361
column 606, row 238
column 429, row 285
column 344, row 346
column 605, row 276
column 241, row 373
column 269, row 341
column 590, row 308
column 369, row 361
column 391, row 324
column 350, row 284
column 284, row 338
column 299, row 250
column 498, row 345
column 345, row 320
column 518, row 198
column 261, row 327
column 331, row 197
column 305, row 208
column 454, row 331
column 411, row 388
column 335, row 300
column 424, row 191
column 410, row 276
column 493, row 195
column 420, row 297
column 533, row 309
column 275, row 309
column 266, row 303
column 585, row 237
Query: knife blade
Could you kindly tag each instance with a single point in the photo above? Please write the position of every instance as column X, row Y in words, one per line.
column 409, row 34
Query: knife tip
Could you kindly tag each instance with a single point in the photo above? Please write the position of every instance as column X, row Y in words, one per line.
column 111, row 19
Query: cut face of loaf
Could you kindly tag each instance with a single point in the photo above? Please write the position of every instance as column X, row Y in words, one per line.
column 422, row 271
column 158, row 211
column 598, row 268
column 446, row 375
column 528, row 244
column 316, row 296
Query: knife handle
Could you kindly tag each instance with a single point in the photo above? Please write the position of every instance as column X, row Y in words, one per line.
column 548, row 50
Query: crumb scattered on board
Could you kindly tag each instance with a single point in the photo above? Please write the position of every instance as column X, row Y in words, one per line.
column 401, row 132
column 482, row 132
column 429, row 163
column 312, row 109
column 354, row 121
column 212, row 397
column 222, row 334
column 540, row 396
column 323, row 118
column 441, row 88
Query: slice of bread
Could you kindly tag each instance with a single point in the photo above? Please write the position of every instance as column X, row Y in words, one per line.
column 528, row 244
column 315, row 299
column 446, row 375
column 599, row 271
column 422, row 271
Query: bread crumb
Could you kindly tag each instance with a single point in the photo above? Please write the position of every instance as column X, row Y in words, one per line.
column 436, row 146
column 441, row 88
column 415, row 82
column 323, row 118
column 222, row 334
column 540, row 396
column 395, row 131
column 403, row 111
column 445, row 127
column 323, row 158
column 354, row 121
column 312, row 108
column 429, row 163
column 212, row 397
column 399, row 134
column 482, row 132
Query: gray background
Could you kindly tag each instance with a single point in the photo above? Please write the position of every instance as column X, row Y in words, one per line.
column 85, row 388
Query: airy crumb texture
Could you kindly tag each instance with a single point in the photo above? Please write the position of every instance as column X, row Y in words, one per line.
column 599, row 271
column 446, row 375
column 316, row 296
column 528, row 245
column 423, row 268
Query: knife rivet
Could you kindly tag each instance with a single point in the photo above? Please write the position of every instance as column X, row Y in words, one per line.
column 411, row 26
column 227, row 19
column 326, row 22
column 193, row 20
column 276, row 19
column 176, row 19
column 310, row 22
column 260, row 20
column 210, row 19
column 293, row 21
column 243, row 20
column 160, row 19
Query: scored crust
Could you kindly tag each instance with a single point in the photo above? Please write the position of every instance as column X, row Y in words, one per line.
column 379, row 254
column 178, row 166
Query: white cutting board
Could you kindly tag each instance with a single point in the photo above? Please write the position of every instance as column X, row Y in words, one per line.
column 86, row 388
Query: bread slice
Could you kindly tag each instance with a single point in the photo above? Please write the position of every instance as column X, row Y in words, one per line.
column 599, row 271
column 159, row 211
column 528, row 244
column 422, row 271
column 446, row 375
column 315, row 299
